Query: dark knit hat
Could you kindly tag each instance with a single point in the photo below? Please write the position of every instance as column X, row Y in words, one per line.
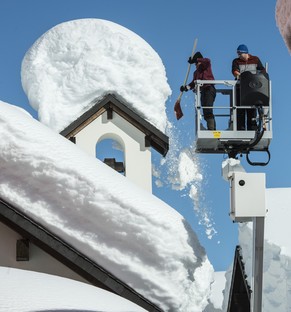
column 196, row 56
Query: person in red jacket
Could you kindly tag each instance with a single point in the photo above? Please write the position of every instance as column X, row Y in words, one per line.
column 208, row 92
column 245, row 62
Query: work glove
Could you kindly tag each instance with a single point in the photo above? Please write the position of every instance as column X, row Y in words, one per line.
column 184, row 88
column 191, row 60
column 195, row 58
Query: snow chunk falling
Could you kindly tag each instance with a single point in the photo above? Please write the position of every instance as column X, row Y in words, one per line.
column 184, row 173
column 78, row 62
column 188, row 169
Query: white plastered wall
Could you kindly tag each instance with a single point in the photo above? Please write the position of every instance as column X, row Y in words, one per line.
column 39, row 261
column 137, row 157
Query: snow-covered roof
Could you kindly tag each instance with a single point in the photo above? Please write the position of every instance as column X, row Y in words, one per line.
column 78, row 62
column 277, row 251
column 71, row 257
column 153, row 137
column 133, row 234
column 31, row 291
column 240, row 293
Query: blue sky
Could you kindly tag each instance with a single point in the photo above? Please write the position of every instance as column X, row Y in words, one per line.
column 170, row 27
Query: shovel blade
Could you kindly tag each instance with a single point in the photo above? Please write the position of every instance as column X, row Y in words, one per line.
column 178, row 110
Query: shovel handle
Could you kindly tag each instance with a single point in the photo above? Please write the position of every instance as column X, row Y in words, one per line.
column 189, row 66
column 177, row 106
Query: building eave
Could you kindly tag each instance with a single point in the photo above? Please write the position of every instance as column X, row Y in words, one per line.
column 69, row 256
column 153, row 136
column 240, row 292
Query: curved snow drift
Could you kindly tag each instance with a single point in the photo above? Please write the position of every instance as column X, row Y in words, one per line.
column 80, row 61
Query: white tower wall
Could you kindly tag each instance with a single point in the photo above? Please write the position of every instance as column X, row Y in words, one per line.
column 137, row 157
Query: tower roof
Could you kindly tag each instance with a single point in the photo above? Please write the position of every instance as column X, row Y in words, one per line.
column 153, row 136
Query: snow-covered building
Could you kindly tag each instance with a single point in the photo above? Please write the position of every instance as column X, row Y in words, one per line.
column 112, row 119
column 65, row 212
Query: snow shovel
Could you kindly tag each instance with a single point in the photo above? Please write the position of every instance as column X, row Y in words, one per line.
column 177, row 107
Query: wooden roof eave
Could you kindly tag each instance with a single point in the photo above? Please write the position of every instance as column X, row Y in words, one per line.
column 153, row 136
column 69, row 256
column 240, row 292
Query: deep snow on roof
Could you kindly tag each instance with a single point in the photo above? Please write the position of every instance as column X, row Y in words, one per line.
column 80, row 61
column 133, row 234
column 68, row 68
column 277, row 252
column 46, row 292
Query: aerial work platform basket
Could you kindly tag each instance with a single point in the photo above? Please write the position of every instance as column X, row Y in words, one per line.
column 252, row 91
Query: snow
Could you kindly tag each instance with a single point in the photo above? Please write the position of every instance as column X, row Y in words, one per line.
column 278, row 206
column 277, row 247
column 27, row 291
column 80, row 61
column 217, row 288
column 184, row 173
column 140, row 239
column 277, row 252
column 283, row 19
column 46, row 292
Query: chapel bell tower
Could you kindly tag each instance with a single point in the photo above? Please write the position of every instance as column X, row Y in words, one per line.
column 112, row 119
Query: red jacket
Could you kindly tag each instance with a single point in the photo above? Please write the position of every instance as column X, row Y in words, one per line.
column 202, row 72
column 252, row 64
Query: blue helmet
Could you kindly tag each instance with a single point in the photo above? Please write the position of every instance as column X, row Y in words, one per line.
column 242, row 48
